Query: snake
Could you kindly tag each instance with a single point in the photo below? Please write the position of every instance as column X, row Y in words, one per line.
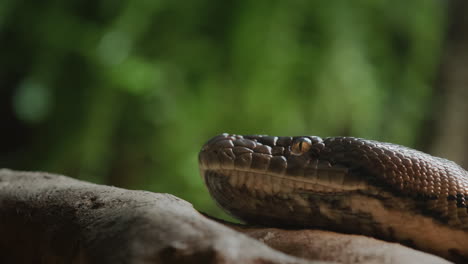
column 343, row 184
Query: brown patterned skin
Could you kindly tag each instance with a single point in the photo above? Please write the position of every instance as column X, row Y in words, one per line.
column 441, row 183
column 343, row 184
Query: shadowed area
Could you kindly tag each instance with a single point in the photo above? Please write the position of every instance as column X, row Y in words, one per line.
column 48, row 218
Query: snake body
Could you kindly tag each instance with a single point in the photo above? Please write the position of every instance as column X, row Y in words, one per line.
column 343, row 184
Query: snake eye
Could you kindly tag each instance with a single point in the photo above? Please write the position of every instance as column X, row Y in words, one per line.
column 300, row 146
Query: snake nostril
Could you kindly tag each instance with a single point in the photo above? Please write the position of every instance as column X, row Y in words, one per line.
column 245, row 143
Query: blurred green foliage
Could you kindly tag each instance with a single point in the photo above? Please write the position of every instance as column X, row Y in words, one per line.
column 126, row 92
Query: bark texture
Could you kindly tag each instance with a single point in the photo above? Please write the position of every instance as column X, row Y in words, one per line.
column 46, row 218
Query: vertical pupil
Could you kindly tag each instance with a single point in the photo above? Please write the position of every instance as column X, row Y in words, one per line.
column 300, row 145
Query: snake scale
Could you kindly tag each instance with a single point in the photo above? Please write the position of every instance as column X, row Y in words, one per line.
column 343, row 184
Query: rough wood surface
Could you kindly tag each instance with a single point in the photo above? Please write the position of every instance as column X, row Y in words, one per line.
column 46, row 218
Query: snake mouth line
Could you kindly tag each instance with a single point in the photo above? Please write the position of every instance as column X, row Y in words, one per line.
column 271, row 183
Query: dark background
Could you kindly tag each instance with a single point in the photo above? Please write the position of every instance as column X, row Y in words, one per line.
column 126, row 92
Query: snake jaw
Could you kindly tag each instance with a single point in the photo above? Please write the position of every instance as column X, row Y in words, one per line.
column 270, row 159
